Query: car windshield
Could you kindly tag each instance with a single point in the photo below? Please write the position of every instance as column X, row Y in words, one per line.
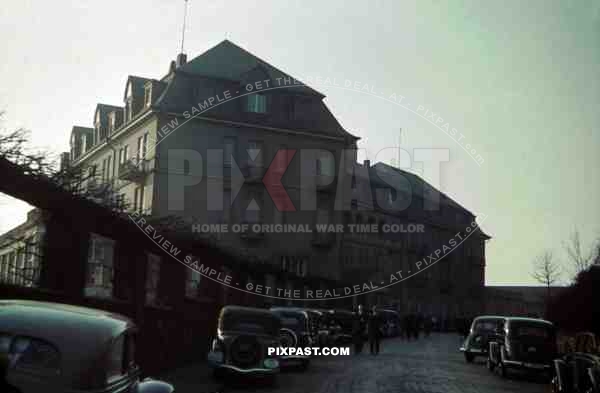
column 532, row 330
column 292, row 321
column 488, row 325
column 257, row 323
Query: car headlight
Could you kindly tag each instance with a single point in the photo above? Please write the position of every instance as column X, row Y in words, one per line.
column 271, row 363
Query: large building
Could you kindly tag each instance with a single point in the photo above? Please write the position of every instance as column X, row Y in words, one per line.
column 208, row 142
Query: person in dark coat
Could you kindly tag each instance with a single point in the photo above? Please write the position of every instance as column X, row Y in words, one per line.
column 374, row 330
column 358, row 329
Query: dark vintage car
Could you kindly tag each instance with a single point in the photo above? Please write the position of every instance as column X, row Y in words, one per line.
column 579, row 369
column 244, row 335
column 294, row 333
column 337, row 326
column 525, row 344
column 314, row 321
column 483, row 330
column 54, row 347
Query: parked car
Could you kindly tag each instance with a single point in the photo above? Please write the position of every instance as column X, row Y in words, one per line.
column 483, row 330
column 337, row 327
column 526, row 344
column 314, row 321
column 294, row 333
column 578, row 370
column 244, row 335
column 54, row 347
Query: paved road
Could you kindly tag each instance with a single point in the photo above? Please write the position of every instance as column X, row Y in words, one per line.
column 430, row 365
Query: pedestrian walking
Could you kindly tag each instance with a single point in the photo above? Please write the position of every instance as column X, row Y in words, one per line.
column 358, row 329
column 374, row 330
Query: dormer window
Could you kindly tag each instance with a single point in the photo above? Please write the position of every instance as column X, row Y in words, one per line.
column 129, row 102
column 111, row 122
column 256, row 103
column 97, row 125
column 148, row 96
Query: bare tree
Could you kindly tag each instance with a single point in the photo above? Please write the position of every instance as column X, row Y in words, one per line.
column 580, row 259
column 546, row 271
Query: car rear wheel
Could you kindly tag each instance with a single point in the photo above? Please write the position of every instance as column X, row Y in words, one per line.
column 469, row 357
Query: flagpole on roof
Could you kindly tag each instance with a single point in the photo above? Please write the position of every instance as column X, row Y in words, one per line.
column 185, row 9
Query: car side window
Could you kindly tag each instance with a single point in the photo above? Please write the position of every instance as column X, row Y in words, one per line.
column 34, row 355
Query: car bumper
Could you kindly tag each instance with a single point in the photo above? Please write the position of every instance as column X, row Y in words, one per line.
column 527, row 365
column 255, row 371
column 474, row 351
column 216, row 363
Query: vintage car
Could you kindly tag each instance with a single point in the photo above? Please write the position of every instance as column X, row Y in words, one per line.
column 525, row 344
column 244, row 335
column 336, row 326
column 294, row 333
column 314, row 320
column 483, row 330
column 578, row 370
column 54, row 347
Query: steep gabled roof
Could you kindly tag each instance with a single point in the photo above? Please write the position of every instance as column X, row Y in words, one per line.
column 137, row 83
column 105, row 109
column 228, row 61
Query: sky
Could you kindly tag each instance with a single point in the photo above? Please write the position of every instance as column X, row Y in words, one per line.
column 518, row 80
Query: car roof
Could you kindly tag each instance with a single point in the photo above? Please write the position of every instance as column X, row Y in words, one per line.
column 82, row 335
column 489, row 317
column 288, row 310
column 230, row 309
column 524, row 319
column 26, row 316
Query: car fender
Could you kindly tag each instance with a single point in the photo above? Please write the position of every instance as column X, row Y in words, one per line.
column 149, row 385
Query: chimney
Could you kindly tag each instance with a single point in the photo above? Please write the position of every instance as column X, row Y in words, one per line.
column 367, row 163
column 172, row 67
column 181, row 59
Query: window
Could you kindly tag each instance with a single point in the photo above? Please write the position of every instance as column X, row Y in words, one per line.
column 148, row 96
column 322, row 216
column 142, row 147
column 290, row 107
column 4, row 268
column 325, row 164
column 99, row 281
column 192, row 281
column 228, row 150
column 125, row 153
column 109, row 167
column 252, row 213
column 138, row 199
column 103, row 173
column 281, row 156
column 84, row 143
column 37, row 356
column 256, row 103
column 255, row 147
column 152, row 278
column 389, row 198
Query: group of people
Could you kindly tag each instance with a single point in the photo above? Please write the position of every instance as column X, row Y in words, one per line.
column 367, row 326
